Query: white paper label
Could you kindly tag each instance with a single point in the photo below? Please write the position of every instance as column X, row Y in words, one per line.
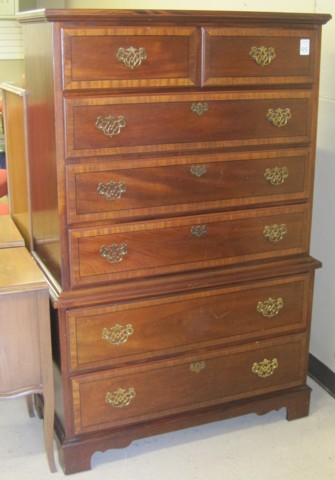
column 304, row 46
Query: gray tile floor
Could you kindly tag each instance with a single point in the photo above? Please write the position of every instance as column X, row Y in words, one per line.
column 244, row 448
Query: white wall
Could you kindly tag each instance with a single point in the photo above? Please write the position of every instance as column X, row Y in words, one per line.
column 246, row 5
column 323, row 235
column 323, row 232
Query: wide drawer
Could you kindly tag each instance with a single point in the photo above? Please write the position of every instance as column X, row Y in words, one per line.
column 112, row 190
column 125, row 333
column 235, row 56
column 159, row 247
column 128, row 124
column 127, row 57
column 145, row 392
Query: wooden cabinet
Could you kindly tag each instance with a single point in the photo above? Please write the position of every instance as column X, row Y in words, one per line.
column 171, row 168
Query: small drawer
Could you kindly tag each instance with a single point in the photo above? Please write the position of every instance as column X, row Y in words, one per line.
column 185, row 184
column 129, row 57
column 236, row 56
column 130, row 395
column 139, row 124
column 159, row 247
column 120, row 334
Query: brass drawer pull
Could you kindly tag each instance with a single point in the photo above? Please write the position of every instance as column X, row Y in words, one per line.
column 111, row 190
column 279, row 117
column 199, row 230
column 265, row 368
column 262, row 55
column 198, row 170
column 120, row 398
column 275, row 233
column 197, row 366
column 199, row 107
column 270, row 307
column 131, row 57
column 114, row 253
column 276, row 176
column 117, row 334
column 110, row 125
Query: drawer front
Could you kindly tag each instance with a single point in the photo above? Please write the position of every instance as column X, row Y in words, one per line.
column 185, row 184
column 142, row 393
column 161, row 247
column 124, row 57
column 132, row 332
column 128, row 124
column 236, row 56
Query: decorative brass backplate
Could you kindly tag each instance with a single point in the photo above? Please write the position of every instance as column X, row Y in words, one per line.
column 117, row 334
column 197, row 366
column 120, row 398
column 131, row 57
column 262, row 55
column 198, row 170
column 276, row 176
column 275, row 233
column 199, row 230
column 111, row 190
column 199, row 107
column 110, row 125
column 270, row 307
column 279, row 117
column 114, row 253
column 265, row 368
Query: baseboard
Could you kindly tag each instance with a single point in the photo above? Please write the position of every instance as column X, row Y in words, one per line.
column 319, row 372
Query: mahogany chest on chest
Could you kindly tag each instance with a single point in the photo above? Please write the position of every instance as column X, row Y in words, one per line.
column 171, row 165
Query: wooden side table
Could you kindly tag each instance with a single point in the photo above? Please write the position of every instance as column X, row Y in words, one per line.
column 9, row 233
column 25, row 340
column 15, row 129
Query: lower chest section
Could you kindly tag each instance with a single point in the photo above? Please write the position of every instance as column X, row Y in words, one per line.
column 140, row 361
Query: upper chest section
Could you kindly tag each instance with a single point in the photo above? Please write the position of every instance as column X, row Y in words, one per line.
column 196, row 56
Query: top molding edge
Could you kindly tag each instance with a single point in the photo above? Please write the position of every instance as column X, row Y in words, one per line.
column 135, row 16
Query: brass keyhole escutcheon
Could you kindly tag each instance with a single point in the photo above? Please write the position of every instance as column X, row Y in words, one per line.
column 196, row 367
column 199, row 230
column 199, row 108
